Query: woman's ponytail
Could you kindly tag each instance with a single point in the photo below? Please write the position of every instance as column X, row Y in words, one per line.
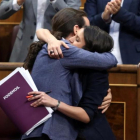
column 32, row 54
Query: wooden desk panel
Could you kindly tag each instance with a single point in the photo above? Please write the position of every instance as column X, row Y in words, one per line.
column 122, row 114
column 6, row 68
column 125, row 87
column 115, row 116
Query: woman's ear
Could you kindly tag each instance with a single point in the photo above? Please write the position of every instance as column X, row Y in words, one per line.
column 75, row 29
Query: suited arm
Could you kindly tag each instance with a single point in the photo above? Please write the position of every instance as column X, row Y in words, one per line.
column 79, row 58
column 96, row 89
column 76, row 113
column 60, row 4
column 94, row 18
column 6, row 9
column 128, row 19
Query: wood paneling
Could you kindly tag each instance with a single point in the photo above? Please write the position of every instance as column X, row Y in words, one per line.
column 116, row 119
column 128, row 95
column 6, row 68
column 124, row 84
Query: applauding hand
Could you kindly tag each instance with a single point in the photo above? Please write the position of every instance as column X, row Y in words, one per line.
column 114, row 6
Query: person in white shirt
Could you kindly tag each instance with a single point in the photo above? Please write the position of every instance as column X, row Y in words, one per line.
column 121, row 19
column 36, row 14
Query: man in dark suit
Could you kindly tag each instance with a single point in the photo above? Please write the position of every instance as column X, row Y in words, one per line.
column 36, row 14
column 120, row 18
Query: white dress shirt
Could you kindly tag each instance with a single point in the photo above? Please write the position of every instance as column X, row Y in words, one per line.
column 114, row 33
column 41, row 8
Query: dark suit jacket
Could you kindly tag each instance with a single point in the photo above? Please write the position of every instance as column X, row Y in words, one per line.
column 129, row 19
column 95, row 86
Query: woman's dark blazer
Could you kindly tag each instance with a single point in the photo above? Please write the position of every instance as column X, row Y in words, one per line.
column 95, row 86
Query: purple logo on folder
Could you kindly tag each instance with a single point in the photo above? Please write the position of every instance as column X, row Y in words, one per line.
column 11, row 92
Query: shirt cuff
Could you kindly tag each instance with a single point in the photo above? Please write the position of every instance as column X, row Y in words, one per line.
column 106, row 21
column 16, row 7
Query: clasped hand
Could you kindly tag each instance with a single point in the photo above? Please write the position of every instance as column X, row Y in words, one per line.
column 111, row 8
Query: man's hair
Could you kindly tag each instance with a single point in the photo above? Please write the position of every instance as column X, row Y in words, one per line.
column 64, row 21
column 62, row 25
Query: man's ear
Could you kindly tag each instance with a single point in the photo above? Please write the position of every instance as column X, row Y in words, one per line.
column 75, row 29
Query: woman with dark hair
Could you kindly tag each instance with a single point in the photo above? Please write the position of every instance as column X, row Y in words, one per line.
column 96, row 40
column 60, row 75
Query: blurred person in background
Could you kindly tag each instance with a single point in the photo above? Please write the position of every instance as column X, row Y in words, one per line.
column 121, row 19
column 36, row 14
